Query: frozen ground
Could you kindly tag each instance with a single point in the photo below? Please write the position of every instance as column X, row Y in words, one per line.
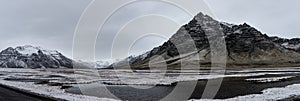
column 48, row 82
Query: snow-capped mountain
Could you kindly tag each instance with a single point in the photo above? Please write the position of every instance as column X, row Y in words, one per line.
column 33, row 57
column 97, row 64
column 104, row 63
column 245, row 45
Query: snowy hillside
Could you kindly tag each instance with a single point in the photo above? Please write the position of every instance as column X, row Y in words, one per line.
column 33, row 57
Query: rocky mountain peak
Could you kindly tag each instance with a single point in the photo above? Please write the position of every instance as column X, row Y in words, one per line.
column 203, row 17
column 245, row 45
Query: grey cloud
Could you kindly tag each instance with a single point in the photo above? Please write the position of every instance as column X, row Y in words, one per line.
column 46, row 23
column 274, row 17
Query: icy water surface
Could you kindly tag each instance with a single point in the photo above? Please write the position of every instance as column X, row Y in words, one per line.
column 231, row 87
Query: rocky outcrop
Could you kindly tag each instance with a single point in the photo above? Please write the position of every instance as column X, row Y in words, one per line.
column 292, row 44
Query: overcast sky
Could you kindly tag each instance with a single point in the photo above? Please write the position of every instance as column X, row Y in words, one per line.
column 51, row 23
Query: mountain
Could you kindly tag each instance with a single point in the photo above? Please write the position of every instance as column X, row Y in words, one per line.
column 33, row 57
column 246, row 46
column 97, row 64
column 103, row 63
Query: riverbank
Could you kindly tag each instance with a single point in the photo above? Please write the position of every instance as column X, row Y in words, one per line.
column 54, row 93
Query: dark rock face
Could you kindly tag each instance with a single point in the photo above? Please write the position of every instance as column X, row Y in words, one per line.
column 243, row 38
column 292, row 44
column 245, row 45
column 33, row 57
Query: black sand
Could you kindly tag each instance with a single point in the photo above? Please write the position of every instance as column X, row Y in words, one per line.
column 8, row 94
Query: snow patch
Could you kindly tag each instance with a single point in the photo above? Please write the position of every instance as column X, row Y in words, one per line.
column 270, row 79
column 29, row 50
column 227, row 24
column 291, row 46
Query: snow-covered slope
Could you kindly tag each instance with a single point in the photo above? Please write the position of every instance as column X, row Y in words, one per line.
column 33, row 57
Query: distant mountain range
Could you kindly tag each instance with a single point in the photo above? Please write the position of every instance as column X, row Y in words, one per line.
column 37, row 57
column 246, row 47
